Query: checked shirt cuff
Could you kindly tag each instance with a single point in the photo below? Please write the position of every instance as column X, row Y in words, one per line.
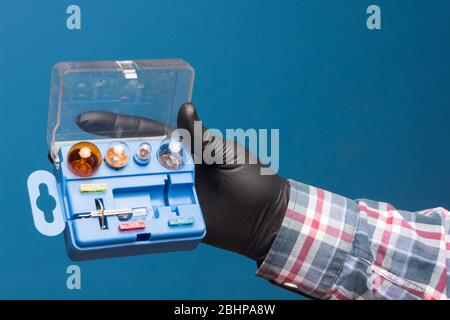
column 311, row 247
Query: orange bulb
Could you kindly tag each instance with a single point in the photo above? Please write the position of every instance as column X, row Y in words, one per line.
column 117, row 155
column 84, row 158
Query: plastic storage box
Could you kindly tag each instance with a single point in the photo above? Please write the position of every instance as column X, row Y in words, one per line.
column 159, row 204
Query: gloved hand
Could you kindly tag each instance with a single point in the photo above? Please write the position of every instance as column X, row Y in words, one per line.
column 243, row 209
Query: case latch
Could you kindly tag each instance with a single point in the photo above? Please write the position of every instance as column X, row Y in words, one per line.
column 128, row 69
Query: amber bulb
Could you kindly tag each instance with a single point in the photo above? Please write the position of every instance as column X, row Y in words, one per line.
column 84, row 158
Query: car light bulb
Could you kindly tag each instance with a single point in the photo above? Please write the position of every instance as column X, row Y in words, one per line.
column 117, row 155
column 143, row 154
column 171, row 154
column 84, row 158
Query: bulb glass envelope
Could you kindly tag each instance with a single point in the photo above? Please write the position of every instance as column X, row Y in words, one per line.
column 153, row 89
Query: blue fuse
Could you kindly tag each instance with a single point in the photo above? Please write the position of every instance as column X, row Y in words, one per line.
column 183, row 221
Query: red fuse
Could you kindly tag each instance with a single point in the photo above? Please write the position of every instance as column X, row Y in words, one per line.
column 132, row 225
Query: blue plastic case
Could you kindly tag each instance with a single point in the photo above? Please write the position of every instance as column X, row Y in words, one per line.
column 173, row 219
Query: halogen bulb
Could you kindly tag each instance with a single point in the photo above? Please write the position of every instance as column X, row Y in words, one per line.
column 171, row 154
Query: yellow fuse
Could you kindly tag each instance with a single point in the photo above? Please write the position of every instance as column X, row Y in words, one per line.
column 93, row 187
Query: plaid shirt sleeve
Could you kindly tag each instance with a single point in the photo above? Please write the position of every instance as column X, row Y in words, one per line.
column 331, row 247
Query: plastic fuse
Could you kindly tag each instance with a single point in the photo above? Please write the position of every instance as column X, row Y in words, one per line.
column 132, row 225
column 93, row 187
column 182, row 221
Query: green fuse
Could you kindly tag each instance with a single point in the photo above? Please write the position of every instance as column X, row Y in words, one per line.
column 93, row 187
column 184, row 221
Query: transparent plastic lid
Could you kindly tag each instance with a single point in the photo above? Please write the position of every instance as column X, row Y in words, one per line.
column 153, row 89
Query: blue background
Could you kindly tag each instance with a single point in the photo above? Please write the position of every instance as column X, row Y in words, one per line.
column 361, row 113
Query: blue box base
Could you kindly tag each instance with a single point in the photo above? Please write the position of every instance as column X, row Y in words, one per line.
column 77, row 253
column 169, row 194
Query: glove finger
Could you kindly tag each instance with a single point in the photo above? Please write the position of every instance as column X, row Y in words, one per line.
column 187, row 115
column 227, row 153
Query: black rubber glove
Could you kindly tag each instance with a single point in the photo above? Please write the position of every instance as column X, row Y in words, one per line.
column 243, row 209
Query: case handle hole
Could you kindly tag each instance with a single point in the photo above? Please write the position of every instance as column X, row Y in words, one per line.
column 46, row 203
